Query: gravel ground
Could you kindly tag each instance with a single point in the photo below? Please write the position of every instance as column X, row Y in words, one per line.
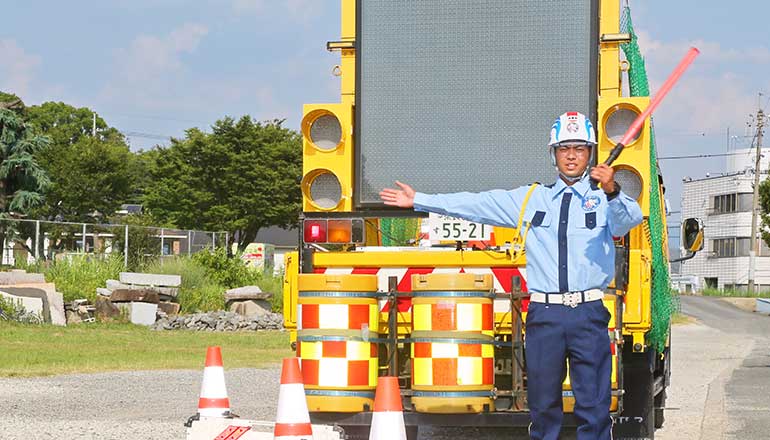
column 154, row 405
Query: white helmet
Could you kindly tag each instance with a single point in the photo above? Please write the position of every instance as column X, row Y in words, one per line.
column 572, row 126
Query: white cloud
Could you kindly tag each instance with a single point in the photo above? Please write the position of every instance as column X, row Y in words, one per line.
column 298, row 10
column 150, row 69
column 17, row 68
column 719, row 89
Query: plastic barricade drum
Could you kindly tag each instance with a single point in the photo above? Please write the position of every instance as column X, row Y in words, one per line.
column 336, row 319
column 453, row 366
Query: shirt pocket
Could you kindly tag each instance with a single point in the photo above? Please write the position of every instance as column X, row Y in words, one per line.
column 537, row 219
column 592, row 220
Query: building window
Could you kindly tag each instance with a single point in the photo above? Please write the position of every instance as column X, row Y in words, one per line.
column 731, row 247
column 736, row 202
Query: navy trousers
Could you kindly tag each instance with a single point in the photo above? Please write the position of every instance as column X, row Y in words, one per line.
column 555, row 334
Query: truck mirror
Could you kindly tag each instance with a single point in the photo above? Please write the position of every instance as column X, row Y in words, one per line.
column 692, row 234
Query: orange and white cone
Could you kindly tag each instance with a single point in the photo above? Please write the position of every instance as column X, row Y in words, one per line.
column 293, row 419
column 214, row 401
column 388, row 417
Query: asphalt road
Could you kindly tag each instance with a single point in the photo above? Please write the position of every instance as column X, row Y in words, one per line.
column 720, row 389
column 746, row 387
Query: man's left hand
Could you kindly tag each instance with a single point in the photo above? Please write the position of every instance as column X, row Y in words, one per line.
column 605, row 175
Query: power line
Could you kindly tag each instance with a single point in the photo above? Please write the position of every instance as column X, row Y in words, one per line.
column 699, row 156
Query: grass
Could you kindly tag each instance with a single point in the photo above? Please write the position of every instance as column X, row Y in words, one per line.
column 733, row 293
column 79, row 276
column 682, row 319
column 47, row 350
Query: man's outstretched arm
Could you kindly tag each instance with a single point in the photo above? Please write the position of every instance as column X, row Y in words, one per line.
column 496, row 207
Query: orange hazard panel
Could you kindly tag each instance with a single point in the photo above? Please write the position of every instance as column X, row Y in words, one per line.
column 452, row 342
column 337, row 319
column 232, row 433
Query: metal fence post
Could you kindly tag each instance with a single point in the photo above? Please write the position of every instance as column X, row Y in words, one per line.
column 37, row 241
column 125, row 249
column 189, row 242
column 162, row 243
column 227, row 243
column 214, row 241
column 85, row 248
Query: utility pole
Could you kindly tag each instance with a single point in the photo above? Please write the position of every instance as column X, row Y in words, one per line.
column 755, row 205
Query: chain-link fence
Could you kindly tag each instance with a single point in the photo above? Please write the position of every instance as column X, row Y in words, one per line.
column 30, row 241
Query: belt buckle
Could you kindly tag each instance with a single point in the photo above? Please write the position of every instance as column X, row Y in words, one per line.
column 571, row 299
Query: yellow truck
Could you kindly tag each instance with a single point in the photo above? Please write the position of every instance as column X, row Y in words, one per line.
column 459, row 96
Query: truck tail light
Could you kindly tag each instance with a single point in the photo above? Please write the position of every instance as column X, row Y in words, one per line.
column 315, row 231
column 338, row 231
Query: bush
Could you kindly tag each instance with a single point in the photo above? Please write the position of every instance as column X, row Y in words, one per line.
column 228, row 271
column 78, row 276
column 199, row 292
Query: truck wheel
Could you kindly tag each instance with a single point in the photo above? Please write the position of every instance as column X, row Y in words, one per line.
column 660, row 403
column 637, row 421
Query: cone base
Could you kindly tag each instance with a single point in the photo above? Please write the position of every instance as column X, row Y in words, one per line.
column 338, row 404
column 445, row 405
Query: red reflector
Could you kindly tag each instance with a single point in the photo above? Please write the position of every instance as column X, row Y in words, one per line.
column 315, row 231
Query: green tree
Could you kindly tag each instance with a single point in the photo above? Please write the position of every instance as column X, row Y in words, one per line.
column 66, row 125
column 764, row 209
column 240, row 178
column 90, row 179
column 22, row 179
column 90, row 173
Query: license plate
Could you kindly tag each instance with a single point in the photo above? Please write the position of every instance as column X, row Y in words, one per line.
column 444, row 227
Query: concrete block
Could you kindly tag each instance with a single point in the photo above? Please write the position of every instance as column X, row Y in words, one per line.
column 30, row 304
column 140, row 313
column 170, row 292
column 246, row 293
column 103, row 292
column 134, row 295
column 150, row 279
column 250, row 308
column 54, row 303
column 763, row 306
column 169, row 308
column 10, row 278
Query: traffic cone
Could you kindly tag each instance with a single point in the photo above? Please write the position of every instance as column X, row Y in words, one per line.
column 213, row 401
column 388, row 417
column 293, row 420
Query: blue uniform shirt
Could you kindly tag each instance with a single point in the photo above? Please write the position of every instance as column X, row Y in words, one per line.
column 569, row 245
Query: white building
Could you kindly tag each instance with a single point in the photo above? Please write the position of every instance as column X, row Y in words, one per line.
column 724, row 204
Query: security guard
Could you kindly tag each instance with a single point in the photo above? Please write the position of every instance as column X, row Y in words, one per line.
column 570, row 261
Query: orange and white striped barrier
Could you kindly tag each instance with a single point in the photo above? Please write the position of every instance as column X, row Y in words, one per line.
column 293, row 420
column 388, row 417
column 213, row 400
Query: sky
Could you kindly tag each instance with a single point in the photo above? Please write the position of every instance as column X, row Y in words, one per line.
column 159, row 67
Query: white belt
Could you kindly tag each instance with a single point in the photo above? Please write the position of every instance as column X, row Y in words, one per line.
column 571, row 299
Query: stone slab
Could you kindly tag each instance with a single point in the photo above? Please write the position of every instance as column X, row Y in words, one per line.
column 246, row 293
column 150, row 279
column 101, row 291
column 31, row 304
column 140, row 313
column 763, row 306
column 105, row 309
column 169, row 308
column 134, row 295
column 251, row 308
column 55, row 300
column 171, row 292
column 9, row 278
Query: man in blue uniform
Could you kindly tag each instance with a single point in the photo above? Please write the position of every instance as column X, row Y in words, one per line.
column 570, row 261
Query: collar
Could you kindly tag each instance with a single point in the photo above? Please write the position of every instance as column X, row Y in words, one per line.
column 581, row 187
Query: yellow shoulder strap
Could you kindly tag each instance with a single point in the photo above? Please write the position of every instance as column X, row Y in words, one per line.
column 518, row 245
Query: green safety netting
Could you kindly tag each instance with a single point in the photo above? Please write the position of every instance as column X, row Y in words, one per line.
column 664, row 301
column 399, row 231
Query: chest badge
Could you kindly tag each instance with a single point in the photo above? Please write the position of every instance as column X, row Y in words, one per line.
column 591, row 203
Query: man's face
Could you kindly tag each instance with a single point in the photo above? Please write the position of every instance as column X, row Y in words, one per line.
column 572, row 159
